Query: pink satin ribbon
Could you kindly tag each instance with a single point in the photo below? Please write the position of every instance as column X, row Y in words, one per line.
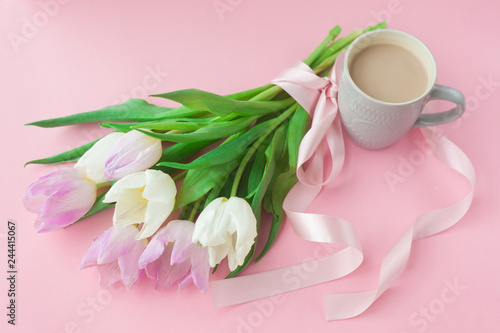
column 318, row 97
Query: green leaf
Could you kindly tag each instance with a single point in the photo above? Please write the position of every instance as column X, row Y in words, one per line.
column 274, row 199
column 285, row 177
column 213, row 131
column 299, row 123
column 181, row 124
column 68, row 156
column 221, row 189
column 199, row 181
column 131, row 110
column 180, row 152
column 227, row 152
column 119, row 127
column 204, row 101
column 273, row 153
column 257, row 171
column 98, row 206
column 247, row 94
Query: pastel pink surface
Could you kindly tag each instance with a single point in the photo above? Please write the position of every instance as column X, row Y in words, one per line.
column 88, row 55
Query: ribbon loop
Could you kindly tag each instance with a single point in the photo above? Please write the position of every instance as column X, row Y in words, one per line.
column 321, row 104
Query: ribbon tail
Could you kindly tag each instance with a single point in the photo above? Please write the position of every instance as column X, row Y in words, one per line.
column 347, row 305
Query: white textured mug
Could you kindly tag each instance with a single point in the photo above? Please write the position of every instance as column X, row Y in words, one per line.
column 375, row 124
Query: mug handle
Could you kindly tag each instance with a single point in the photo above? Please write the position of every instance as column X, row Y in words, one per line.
column 439, row 118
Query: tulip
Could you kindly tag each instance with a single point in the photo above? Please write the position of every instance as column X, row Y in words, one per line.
column 172, row 257
column 146, row 196
column 227, row 228
column 116, row 254
column 60, row 199
column 93, row 162
column 133, row 152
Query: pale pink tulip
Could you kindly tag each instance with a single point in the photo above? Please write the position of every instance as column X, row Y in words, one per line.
column 93, row 162
column 172, row 257
column 133, row 152
column 60, row 199
column 116, row 254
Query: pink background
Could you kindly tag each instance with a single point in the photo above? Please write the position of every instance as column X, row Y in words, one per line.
column 89, row 54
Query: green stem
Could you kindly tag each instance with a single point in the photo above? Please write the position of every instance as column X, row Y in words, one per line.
column 321, row 47
column 275, row 123
column 338, row 47
column 247, row 94
column 195, row 209
column 328, row 63
column 268, row 92
column 105, row 184
column 335, row 47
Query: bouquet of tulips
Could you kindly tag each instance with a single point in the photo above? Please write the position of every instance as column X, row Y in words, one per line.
column 218, row 161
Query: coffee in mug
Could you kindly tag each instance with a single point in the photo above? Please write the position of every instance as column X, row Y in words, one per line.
column 386, row 79
column 389, row 73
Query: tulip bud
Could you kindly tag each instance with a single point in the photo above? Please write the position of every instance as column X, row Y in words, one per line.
column 227, row 228
column 146, row 196
column 133, row 152
column 172, row 257
column 60, row 199
column 92, row 163
column 116, row 254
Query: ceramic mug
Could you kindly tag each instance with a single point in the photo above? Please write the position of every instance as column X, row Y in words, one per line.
column 375, row 124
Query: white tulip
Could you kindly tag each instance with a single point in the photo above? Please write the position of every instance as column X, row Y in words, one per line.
column 146, row 196
column 227, row 227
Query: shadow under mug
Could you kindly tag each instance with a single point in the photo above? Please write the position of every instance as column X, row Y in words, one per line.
column 375, row 124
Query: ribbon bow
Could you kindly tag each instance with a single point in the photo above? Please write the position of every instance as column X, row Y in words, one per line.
column 318, row 97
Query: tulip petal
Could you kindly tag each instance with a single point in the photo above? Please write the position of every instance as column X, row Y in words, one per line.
column 200, row 269
column 60, row 198
column 93, row 161
column 217, row 253
column 133, row 152
column 133, row 181
column 152, row 271
column 163, row 268
column 244, row 221
column 180, row 232
column 159, row 186
column 90, row 257
column 63, row 210
column 211, row 225
column 130, row 208
column 168, row 274
column 115, row 243
column 109, row 274
column 154, row 215
column 188, row 279
column 129, row 265
column 152, row 252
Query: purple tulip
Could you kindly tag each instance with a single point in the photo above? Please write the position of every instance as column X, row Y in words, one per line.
column 116, row 254
column 172, row 257
column 60, row 199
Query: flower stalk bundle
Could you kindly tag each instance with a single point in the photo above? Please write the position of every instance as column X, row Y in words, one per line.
column 233, row 158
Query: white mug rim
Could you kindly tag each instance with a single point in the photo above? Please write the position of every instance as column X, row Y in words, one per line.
column 391, row 31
